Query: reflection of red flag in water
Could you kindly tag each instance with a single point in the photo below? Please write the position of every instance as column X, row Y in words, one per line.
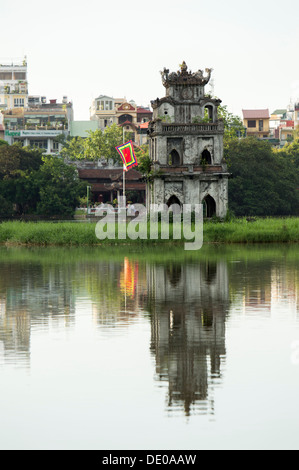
column 126, row 151
column 128, row 278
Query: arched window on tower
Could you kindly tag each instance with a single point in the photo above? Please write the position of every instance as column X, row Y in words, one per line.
column 209, row 207
column 174, row 158
column 206, row 158
column 175, row 202
column 209, row 113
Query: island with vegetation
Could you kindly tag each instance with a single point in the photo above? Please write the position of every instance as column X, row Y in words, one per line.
column 37, row 190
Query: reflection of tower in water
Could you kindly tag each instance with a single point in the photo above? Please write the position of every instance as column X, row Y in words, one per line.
column 188, row 330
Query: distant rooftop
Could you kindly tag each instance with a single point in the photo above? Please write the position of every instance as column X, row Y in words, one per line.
column 256, row 113
column 143, row 110
column 19, row 62
column 279, row 111
column 104, row 96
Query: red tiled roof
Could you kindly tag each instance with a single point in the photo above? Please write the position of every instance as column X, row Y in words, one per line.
column 143, row 111
column 256, row 113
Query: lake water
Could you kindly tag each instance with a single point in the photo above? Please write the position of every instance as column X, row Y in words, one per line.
column 161, row 349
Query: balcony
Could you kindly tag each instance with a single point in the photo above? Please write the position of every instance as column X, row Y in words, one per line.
column 28, row 127
column 191, row 170
column 160, row 127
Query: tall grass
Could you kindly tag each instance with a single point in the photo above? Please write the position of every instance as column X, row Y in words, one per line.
column 47, row 233
column 83, row 234
column 260, row 231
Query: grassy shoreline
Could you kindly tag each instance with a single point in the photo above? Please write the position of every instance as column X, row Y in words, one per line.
column 83, row 234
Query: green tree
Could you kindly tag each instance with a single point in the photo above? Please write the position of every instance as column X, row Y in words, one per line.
column 6, row 207
column 18, row 166
column 73, row 149
column 94, row 145
column 59, row 188
column 98, row 144
column 233, row 128
column 15, row 159
column 113, row 136
column 263, row 183
column 143, row 159
column 291, row 152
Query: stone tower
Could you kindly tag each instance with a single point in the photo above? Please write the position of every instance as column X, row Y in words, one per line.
column 186, row 145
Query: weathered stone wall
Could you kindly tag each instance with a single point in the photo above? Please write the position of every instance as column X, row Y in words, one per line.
column 186, row 144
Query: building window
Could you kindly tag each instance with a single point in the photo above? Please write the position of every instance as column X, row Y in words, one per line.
column 251, row 123
column 20, row 76
column 19, row 103
column 261, row 125
column 19, row 141
column 41, row 144
column 5, row 75
column 108, row 105
column 55, row 146
column 125, row 117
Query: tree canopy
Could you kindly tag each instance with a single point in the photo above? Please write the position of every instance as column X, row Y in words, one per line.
column 99, row 144
column 263, row 182
column 31, row 183
column 59, row 188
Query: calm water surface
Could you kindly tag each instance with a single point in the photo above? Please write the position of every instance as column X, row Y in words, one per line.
column 150, row 350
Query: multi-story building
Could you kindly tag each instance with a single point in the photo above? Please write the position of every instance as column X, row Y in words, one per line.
column 39, row 124
column 13, row 85
column 132, row 118
column 103, row 109
column 275, row 119
column 257, row 122
column 283, row 122
column 286, row 130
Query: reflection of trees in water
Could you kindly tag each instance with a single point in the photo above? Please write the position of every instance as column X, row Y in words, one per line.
column 186, row 303
column 32, row 295
column 189, row 306
column 260, row 284
column 116, row 290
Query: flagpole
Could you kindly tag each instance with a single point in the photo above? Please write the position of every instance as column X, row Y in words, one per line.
column 124, row 181
column 124, row 168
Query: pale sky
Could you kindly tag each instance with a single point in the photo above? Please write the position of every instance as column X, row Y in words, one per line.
column 83, row 49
